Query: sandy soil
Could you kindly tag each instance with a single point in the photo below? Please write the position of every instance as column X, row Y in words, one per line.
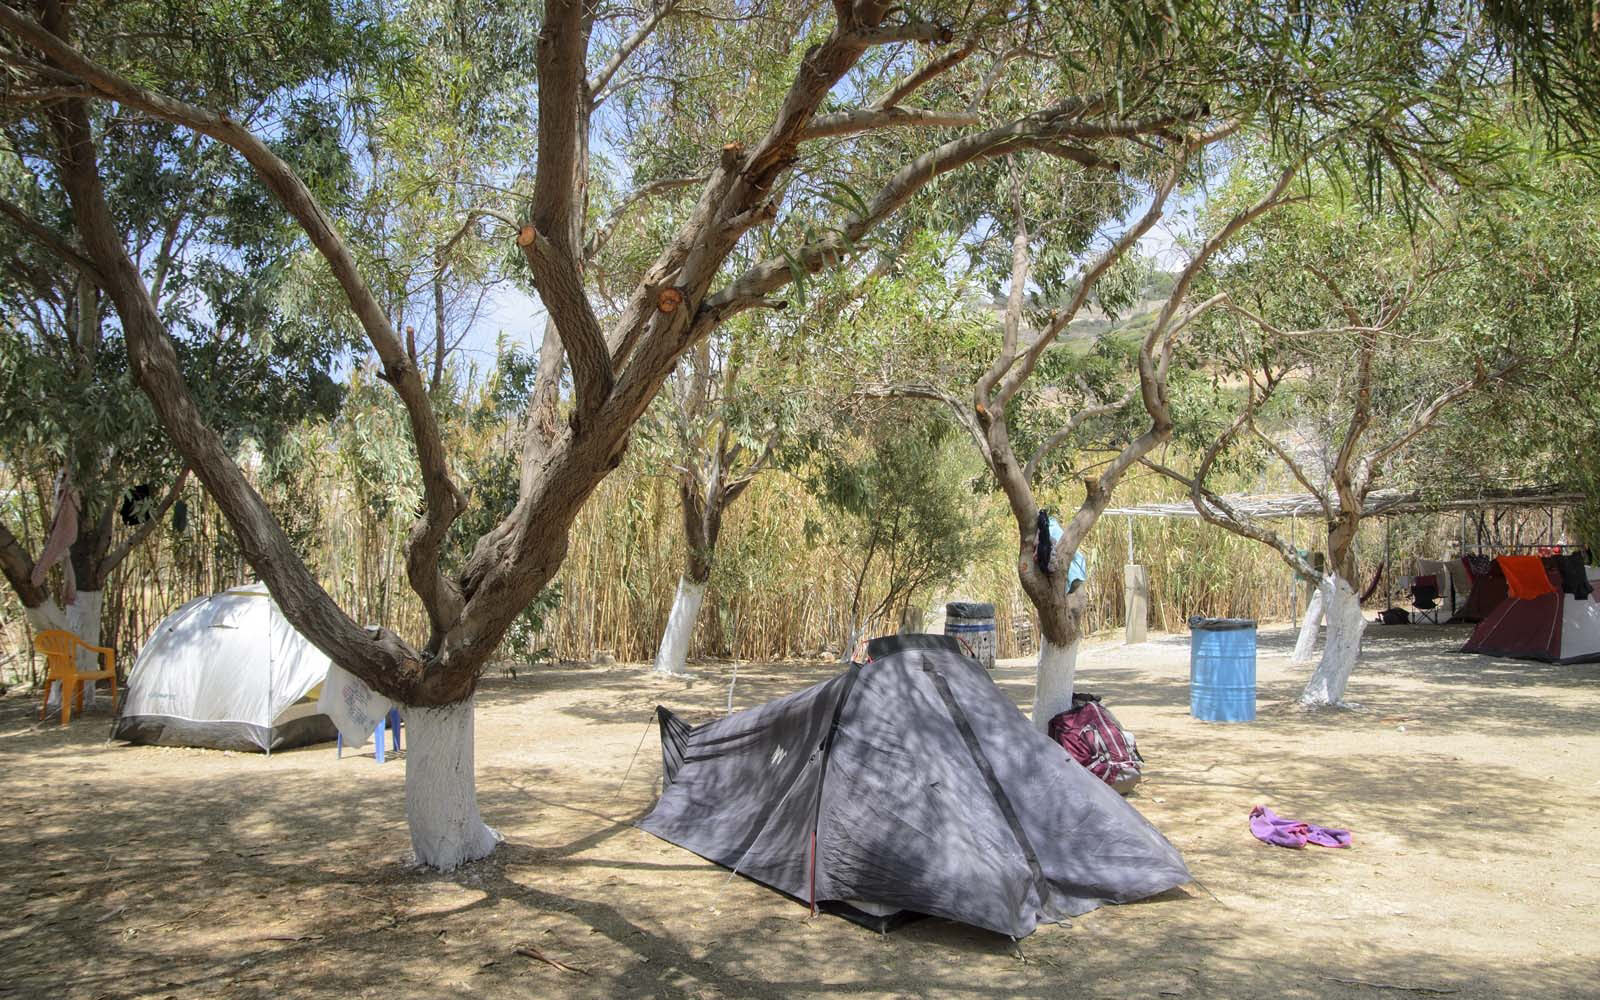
column 1472, row 786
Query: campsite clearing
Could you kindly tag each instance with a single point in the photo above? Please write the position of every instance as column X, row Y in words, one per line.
column 1471, row 785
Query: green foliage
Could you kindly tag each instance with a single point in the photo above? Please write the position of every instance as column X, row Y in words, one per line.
column 897, row 491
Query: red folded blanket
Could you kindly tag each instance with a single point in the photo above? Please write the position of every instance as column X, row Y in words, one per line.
column 1525, row 577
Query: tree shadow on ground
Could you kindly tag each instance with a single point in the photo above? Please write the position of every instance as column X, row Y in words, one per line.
column 135, row 873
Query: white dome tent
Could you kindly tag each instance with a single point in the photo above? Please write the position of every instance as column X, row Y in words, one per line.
column 227, row 672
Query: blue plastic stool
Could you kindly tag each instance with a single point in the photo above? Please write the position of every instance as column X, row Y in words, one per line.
column 389, row 723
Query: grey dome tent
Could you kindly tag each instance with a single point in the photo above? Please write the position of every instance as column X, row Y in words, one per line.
column 227, row 672
column 907, row 785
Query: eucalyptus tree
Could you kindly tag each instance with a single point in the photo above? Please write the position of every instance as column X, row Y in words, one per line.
column 1353, row 336
column 1080, row 81
column 435, row 145
column 222, row 274
column 1398, row 91
column 716, row 433
column 896, row 487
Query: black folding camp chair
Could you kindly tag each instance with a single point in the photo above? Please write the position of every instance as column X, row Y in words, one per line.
column 1425, row 599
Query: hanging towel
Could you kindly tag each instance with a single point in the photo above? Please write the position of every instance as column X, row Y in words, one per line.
column 63, row 532
column 1525, row 577
column 1270, row 828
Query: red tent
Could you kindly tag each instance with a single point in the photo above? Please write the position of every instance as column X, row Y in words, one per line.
column 1556, row 628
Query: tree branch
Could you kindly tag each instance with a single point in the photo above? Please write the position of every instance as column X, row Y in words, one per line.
column 873, row 119
column 921, row 77
column 1078, row 419
column 376, row 656
column 115, row 557
column 444, row 501
column 550, row 241
column 601, row 235
column 596, row 87
column 17, row 566
column 49, row 239
column 1425, row 419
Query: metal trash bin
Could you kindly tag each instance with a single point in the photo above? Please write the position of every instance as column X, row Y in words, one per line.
column 973, row 624
column 1222, row 669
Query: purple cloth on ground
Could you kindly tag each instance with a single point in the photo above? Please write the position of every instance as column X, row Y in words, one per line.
column 1270, row 828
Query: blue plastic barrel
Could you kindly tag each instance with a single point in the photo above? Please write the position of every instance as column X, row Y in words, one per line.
column 1222, row 669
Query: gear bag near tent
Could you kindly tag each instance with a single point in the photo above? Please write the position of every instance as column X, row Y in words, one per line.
column 905, row 786
column 1556, row 627
column 226, row 672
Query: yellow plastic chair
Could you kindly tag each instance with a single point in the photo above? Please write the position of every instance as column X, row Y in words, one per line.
column 60, row 649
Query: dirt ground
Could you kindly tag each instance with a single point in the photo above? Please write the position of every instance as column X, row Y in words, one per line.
column 1472, row 786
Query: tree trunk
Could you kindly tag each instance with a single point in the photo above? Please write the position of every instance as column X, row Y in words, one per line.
column 83, row 621
column 1052, row 692
column 674, row 650
column 1339, row 654
column 441, row 787
column 1310, row 625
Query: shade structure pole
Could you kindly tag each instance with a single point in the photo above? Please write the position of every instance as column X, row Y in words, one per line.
column 1294, row 581
column 1383, row 571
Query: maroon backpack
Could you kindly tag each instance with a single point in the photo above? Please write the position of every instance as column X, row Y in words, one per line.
column 1093, row 736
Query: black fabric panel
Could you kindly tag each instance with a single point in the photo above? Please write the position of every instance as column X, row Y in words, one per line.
column 886, row 645
column 675, row 735
column 908, row 821
column 1574, row 575
column 166, row 731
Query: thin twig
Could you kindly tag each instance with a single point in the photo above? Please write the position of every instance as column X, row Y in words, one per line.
column 529, row 951
column 1391, row 986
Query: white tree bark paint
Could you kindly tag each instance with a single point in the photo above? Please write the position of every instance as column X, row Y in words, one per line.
column 674, row 650
column 46, row 616
column 1343, row 647
column 1052, row 692
column 83, row 621
column 1309, row 627
column 441, row 787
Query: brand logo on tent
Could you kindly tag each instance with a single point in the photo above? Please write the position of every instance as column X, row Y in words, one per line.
column 778, row 753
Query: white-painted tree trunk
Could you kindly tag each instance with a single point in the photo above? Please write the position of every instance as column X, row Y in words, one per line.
column 674, row 650
column 1310, row 625
column 82, row 619
column 441, row 787
column 1052, row 692
column 46, row 616
column 1343, row 647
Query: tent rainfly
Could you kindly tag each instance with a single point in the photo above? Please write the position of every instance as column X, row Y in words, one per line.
column 227, row 672
column 907, row 785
